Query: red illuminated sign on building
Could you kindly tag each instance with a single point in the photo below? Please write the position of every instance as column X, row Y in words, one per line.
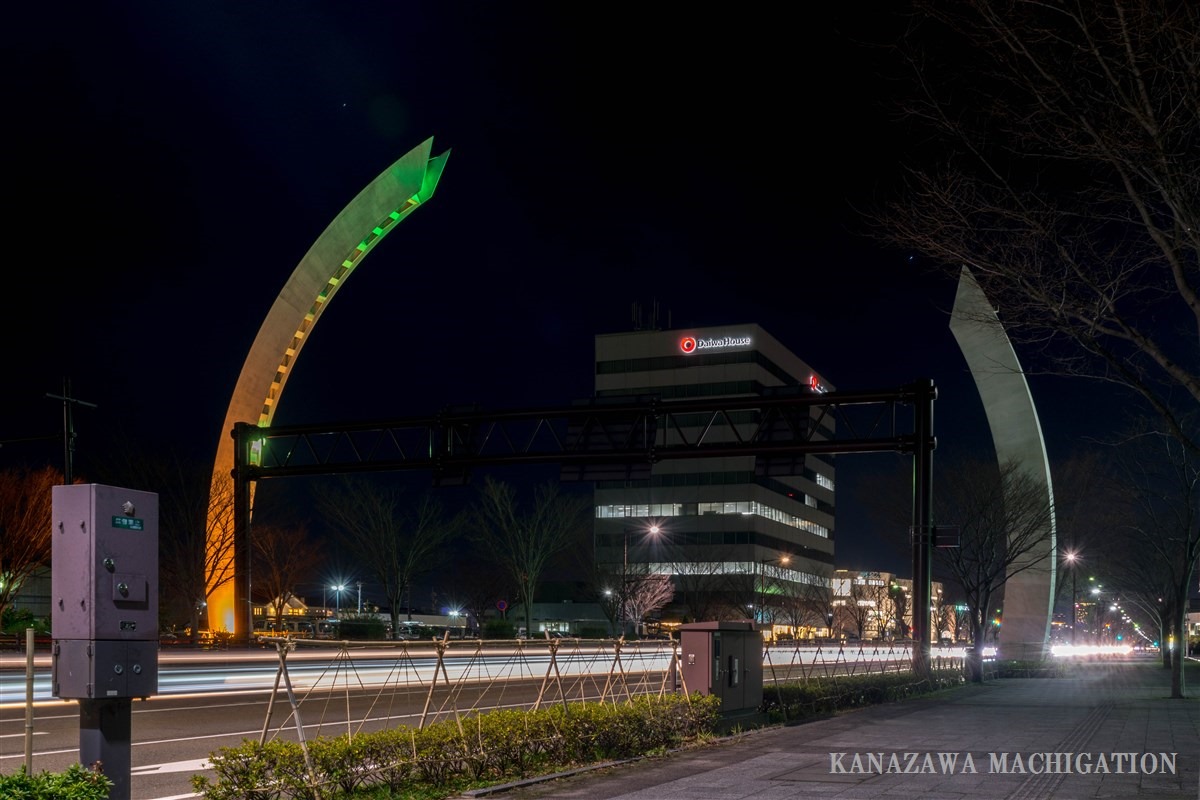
column 690, row 344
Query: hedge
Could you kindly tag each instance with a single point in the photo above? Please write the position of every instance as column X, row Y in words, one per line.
column 477, row 748
column 75, row 783
column 790, row 702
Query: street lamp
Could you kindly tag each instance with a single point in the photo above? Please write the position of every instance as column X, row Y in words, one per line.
column 341, row 587
column 1071, row 557
column 762, row 582
column 652, row 529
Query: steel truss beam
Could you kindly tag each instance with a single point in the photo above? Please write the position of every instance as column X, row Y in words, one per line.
column 601, row 439
column 633, row 431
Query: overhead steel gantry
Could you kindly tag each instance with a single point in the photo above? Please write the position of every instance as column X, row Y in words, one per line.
column 605, row 439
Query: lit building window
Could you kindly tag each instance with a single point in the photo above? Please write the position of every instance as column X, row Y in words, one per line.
column 743, row 508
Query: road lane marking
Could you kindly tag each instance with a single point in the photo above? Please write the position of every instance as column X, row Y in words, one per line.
column 174, row 766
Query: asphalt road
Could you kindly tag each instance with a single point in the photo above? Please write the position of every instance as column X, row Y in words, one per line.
column 220, row 699
column 173, row 736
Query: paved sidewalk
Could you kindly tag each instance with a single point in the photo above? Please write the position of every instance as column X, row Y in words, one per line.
column 1017, row 733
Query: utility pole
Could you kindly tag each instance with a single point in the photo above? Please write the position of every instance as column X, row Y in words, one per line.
column 68, row 431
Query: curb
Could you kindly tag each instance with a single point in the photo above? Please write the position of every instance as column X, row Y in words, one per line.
column 504, row 787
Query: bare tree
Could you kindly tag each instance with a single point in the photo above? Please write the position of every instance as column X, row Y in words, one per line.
column 1068, row 188
column 792, row 609
column 480, row 585
column 1003, row 517
column 394, row 538
column 645, row 595
column 25, row 525
column 605, row 583
column 1088, row 500
column 945, row 616
column 524, row 544
column 737, row 593
column 283, row 558
column 195, row 523
column 781, row 597
column 898, row 605
column 201, row 555
column 1154, row 557
column 859, row 607
column 1126, row 562
column 807, row 605
column 882, row 601
column 704, row 588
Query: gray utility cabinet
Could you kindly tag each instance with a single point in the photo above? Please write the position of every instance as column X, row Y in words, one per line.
column 104, row 592
column 724, row 658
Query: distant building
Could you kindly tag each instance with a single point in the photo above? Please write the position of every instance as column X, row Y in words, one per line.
column 34, row 594
column 878, row 605
column 732, row 539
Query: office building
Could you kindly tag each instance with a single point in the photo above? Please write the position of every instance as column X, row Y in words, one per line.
column 738, row 542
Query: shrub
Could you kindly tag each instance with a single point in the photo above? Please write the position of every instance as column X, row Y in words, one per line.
column 250, row 771
column 796, row 701
column 16, row 620
column 364, row 628
column 494, row 628
column 76, row 783
column 503, row 744
column 477, row 747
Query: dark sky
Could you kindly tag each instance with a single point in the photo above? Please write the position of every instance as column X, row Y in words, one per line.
column 169, row 164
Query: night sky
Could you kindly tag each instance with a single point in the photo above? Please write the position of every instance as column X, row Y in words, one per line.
column 169, row 164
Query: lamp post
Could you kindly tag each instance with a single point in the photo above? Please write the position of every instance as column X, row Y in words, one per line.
column 762, row 583
column 1101, row 597
column 337, row 593
column 1095, row 608
column 652, row 529
column 623, row 596
column 1070, row 557
column 360, row 597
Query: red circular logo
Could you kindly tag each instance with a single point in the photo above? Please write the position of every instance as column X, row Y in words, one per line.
column 688, row 344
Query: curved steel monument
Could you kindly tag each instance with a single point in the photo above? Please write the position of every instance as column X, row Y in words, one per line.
column 355, row 231
column 1017, row 435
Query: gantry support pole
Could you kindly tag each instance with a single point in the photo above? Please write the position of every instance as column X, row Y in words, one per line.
column 922, row 522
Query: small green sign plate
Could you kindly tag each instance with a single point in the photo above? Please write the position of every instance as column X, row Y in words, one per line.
column 128, row 523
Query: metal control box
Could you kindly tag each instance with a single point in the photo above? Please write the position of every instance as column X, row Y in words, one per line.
column 104, row 591
column 100, row 669
column 724, row 658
